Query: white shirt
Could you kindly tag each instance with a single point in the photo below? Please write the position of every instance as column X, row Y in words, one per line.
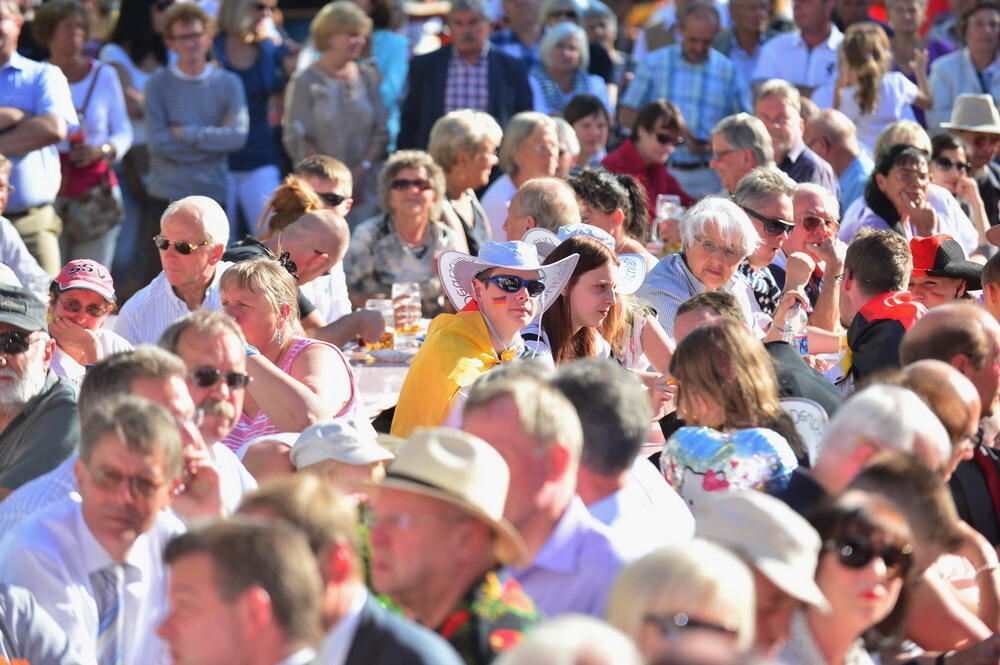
column 234, row 479
column 328, row 293
column 105, row 119
column 495, row 200
column 787, row 56
column 154, row 307
column 108, row 343
column 16, row 256
column 337, row 643
column 53, row 555
column 895, row 95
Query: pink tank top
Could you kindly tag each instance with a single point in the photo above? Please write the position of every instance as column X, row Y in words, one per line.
column 251, row 427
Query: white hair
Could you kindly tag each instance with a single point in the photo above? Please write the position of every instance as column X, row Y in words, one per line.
column 572, row 639
column 889, row 418
column 726, row 217
column 555, row 34
column 206, row 212
column 567, row 136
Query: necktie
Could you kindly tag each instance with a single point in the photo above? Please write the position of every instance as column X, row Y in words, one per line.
column 109, row 591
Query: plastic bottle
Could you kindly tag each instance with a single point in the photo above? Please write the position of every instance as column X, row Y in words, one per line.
column 796, row 331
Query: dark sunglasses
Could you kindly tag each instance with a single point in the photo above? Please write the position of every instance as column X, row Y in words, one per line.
column 96, row 311
column 14, row 342
column 773, row 227
column 333, row 200
column 665, row 138
column 857, row 552
column 513, row 284
column 812, row 222
column 946, row 164
column 182, row 246
column 404, row 184
column 110, row 480
column 669, row 626
column 206, row 377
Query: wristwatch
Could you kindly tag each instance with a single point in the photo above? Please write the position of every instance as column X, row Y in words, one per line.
column 107, row 151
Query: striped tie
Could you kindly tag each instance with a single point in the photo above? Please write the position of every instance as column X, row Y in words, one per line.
column 109, row 591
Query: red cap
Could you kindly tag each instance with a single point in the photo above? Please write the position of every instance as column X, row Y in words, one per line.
column 87, row 274
column 942, row 256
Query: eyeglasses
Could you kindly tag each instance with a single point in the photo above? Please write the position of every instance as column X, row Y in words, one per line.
column 565, row 13
column 857, row 551
column 813, row 222
column 669, row 626
column 334, row 200
column 912, row 177
column 773, row 227
column 97, row 311
column 193, row 36
column 403, row 184
column 729, row 253
column 110, row 480
column 513, row 284
column 14, row 342
column 719, row 155
column 182, row 246
column 206, row 377
column 946, row 164
column 664, row 139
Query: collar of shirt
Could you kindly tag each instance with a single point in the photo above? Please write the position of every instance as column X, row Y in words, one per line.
column 337, row 643
column 561, row 551
column 796, row 152
column 300, row 657
column 831, row 42
column 734, row 44
column 209, row 69
column 457, row 57
column 15, row 61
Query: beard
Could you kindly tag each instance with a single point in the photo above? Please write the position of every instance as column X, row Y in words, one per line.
column 19, row 390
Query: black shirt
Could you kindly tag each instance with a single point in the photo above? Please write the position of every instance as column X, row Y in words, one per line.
column 802, row 493
column 251, row 248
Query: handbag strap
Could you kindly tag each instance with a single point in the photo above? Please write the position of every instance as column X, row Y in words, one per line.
column 90, row 90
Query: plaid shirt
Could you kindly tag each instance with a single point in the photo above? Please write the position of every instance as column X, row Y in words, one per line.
column 705, row 92
column 508, row 42
column 467, row 86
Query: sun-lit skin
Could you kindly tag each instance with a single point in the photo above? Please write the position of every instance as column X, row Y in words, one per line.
column 935, row 291
column 712, row 268
column 592, row 297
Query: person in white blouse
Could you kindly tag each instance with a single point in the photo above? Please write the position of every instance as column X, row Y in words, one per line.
column 193, row 235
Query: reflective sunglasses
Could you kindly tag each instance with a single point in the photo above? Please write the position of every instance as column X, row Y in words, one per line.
column 946, row 164
column 403, row 184
column 669, row 626
column 334, row 200
column 813, row 222
column 206, row 377
column 97, row 311
column 15, row 342
column 182, row 246
column 513, row 284
column 110, row 480
column 773, row 227
column 857, row 552
column 665, row 139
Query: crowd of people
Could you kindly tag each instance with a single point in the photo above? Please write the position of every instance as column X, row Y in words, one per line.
column 705, row 371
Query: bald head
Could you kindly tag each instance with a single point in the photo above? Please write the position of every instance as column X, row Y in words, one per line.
column 830, row 133
column 543, row 202
column 316, row 242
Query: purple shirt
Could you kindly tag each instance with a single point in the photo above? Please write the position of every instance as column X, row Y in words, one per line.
column 575, row 567
column 935, row 49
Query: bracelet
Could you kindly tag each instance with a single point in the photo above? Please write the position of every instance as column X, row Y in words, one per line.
column 988, row 568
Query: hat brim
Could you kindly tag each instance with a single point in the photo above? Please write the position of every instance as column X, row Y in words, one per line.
column 792, row 581
column 982, row 129
column 970, row 271
column 458, row 269
column 508, row 546
column 631, row 267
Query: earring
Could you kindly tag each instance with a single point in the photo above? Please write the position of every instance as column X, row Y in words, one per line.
column 278, row 337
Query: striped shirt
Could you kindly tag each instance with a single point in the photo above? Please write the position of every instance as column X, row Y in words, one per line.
column 150, row 311
column 467, row 85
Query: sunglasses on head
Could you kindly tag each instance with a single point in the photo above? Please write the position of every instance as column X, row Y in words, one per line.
column 946, row 164
column 513, row 284
column 772, row 226
column 813, row 222
column 664, row 139
column 14, row 342
column 206, row 377
column 331, row 199
column 182, row 246
column 403, row 184
column 857, row 552
column 96, row 311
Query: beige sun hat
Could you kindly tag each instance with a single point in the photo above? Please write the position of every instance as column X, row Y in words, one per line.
column 974, row 113
column 769, row 535
column 463, row 470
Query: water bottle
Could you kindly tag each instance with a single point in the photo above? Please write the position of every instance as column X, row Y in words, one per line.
column 796, row 329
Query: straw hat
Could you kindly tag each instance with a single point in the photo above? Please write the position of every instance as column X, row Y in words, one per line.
column 974, row 113
column 458, row 269
column 631, row 267
column 465, row 471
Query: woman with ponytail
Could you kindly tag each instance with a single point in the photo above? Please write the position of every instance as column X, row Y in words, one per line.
column 866, row 91
column 615, row 203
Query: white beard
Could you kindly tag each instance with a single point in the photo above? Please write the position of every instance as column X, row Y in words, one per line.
column 15, row 394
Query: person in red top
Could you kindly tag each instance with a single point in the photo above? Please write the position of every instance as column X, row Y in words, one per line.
column 658, row 130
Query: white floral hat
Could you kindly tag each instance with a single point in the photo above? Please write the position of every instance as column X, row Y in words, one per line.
column 631, row 267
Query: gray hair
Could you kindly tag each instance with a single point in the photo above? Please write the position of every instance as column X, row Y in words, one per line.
column 464, row 130
column 205, row 322
column 598, row 10
column 411, row 159
column 520, row 127
column 477, row 6
column 830, row 201
column 761, row 186
column 890, row 3
column 702, row 7
column 550, row 201
column 206, row 212
column 113, row 376
column 567, row 136
column 548, row 6
column 743, row 131
column 728, row 219
column 571, row 639
column 142, row 425
column 556, row 34
column 779, row 88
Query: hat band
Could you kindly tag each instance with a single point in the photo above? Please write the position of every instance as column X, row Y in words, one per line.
column 418, row 481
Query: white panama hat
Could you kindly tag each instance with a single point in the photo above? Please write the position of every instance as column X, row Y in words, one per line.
column 458, row 269
column 974, row 113
column 631, row 267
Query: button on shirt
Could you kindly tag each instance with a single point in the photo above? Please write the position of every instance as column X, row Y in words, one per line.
column 467, row 85
column 788, row 57
column 705, row 92
column 36, row 88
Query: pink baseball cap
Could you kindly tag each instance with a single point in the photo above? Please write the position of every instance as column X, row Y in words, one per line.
column 87, row 274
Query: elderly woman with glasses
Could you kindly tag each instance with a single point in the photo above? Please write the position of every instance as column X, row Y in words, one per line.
column 659, row 129
column 563, row 72
column 400, row 244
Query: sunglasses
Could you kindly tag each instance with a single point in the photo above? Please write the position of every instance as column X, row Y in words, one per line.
column 14, row 342
column 263, row 7
column 946, row 164
column 813, row 222
column 334, row 200
column 513, row 284
column 206, row 377
column 97, row 311
column 403, row 184
column 663, row 138
column 182, row 246
column 857, row 552
column 773, row 227
column 110, row 480
column 669, row 626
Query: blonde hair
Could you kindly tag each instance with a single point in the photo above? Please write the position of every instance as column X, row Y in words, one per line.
column 865, row 52
column 268, row 278
column 327, row 167
column 464, row 130
column 292, row 199
column 411, row 159
column 694, row 578
column 337, row 18
column 902, row 131
column 235, row 17
column 520, row 127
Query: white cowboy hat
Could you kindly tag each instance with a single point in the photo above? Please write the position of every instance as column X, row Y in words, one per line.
column 631, row 267
column 458, row 269
column 465, row 471
column 974, row 113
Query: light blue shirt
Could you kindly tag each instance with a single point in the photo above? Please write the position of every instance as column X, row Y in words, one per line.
column 36, row 88
column 854, row 178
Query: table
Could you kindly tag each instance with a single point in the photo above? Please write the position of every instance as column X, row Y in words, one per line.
column 379, row 385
